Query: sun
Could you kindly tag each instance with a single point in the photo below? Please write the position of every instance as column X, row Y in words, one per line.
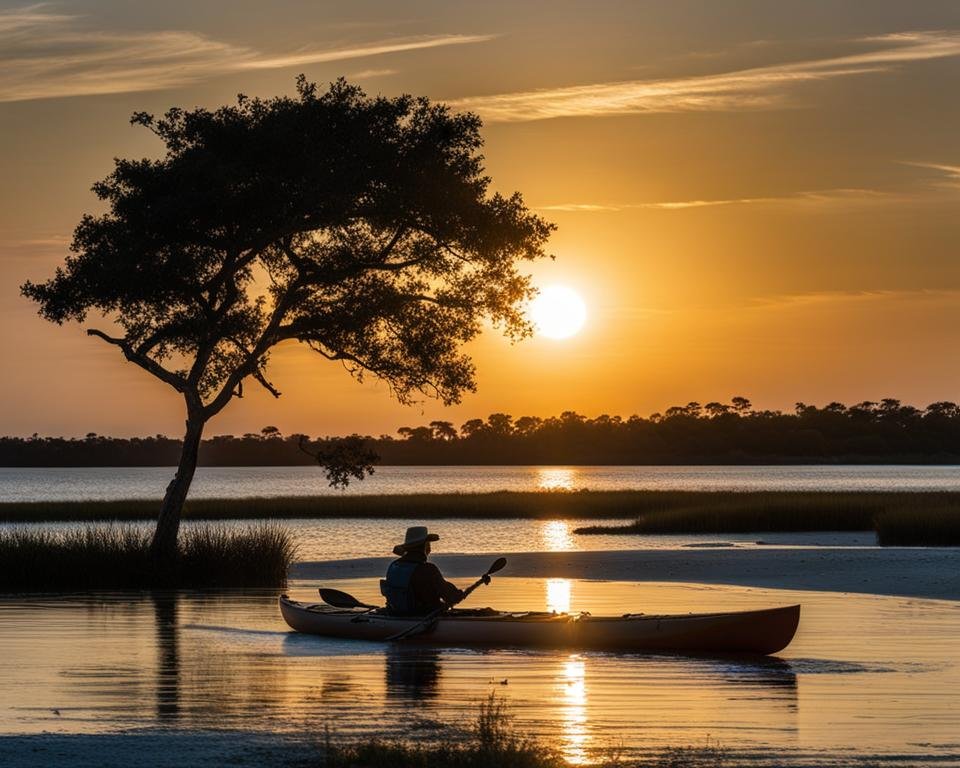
column 558, row 312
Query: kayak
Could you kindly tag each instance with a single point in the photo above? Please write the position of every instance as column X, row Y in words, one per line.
column 762, row 631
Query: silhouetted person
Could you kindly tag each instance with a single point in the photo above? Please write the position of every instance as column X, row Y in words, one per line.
column 414, row 587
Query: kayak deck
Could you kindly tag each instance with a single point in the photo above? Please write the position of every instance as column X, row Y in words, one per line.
column 764, row 631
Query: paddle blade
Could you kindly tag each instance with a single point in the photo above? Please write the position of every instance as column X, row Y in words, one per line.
column 339, row 599
column 498, row 565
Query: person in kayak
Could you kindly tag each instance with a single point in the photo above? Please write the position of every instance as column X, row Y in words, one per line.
column 414, row 587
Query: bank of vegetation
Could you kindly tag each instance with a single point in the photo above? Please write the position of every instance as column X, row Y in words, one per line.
column 898, row 519
column 905, row 519
column 118, row 557
column 716, row 433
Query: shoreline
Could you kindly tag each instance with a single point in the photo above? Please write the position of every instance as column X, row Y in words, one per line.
column 900, row 572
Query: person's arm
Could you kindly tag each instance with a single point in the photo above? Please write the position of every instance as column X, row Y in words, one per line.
column 451, row 594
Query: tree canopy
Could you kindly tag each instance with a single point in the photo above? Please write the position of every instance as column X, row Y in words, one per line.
column 360, row 226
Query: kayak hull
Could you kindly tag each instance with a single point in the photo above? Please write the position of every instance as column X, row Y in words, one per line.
column 764, row 631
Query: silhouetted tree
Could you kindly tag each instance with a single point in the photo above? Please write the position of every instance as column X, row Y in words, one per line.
column 500, row 424
column 473, row 427
column 895, row 433
column 741, row 405
column 713, row 410
column 371, row 217
column 443, row 430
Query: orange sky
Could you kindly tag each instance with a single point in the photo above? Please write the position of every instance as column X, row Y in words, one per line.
column 753, row 198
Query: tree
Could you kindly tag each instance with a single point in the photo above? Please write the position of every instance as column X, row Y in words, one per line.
column 473, row 428
column 443, row 430
column 362, row 227
column 715, row 409
column 500, row 424
column 741, row 405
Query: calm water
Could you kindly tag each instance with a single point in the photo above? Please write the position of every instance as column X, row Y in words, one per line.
column 56, row 484
column 844, row 687
column 342, row 538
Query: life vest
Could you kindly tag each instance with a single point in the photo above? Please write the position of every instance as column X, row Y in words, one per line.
column 396, row 587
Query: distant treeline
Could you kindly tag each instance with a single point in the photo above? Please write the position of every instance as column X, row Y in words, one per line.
column 715, row 433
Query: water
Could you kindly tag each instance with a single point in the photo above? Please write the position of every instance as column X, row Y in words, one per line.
column 846, row 686
column 76, row 483
column 343, row 538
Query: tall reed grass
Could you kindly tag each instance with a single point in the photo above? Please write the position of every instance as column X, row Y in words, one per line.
column 899, row 519
column 118, row 557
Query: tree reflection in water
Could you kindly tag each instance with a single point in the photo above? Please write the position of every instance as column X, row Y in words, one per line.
column 168, row 654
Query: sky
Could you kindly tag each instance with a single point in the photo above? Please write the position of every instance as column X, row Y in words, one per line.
column 752, row 198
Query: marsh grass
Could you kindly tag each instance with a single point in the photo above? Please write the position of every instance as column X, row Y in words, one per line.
column 921, row 519
column 934, row 527
column 422, row 506
column 899, row 519
column 492, row 742
column 118, row 557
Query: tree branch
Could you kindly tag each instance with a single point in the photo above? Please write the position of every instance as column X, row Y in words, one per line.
column 251, row 365
column 147, row 363
column 258, row 375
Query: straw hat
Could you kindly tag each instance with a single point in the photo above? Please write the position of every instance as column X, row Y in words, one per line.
column 417, row 535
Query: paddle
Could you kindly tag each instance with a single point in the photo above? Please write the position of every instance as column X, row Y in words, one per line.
column 498, row 565
column 339, row 599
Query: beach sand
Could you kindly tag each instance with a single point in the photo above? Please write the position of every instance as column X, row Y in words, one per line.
column 906, row 572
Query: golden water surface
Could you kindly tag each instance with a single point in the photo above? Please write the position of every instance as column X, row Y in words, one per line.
column 865, row 674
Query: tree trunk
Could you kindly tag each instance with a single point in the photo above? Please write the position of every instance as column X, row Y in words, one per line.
column 164, row 543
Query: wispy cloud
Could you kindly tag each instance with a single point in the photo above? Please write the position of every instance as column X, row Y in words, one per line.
column 824, row 196
column 364, row 74
column 756, row 88
column 48, row 55
column 945, row 175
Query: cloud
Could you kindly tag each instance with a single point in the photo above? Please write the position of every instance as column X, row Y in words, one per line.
column 368, row 73
column 49, row 55
column 757, row 88
column 826, row 196
column 946, row 175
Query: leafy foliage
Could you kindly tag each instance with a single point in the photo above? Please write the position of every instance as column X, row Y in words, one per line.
column 343, row 458
column 360, row 226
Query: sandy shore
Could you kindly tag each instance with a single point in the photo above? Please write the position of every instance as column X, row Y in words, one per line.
column 926, row 573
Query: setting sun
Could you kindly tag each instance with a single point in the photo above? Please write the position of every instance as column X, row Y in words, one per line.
column 558, row 312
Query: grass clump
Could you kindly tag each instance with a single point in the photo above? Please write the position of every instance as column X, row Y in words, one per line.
column 491, row 742
column 118, row 557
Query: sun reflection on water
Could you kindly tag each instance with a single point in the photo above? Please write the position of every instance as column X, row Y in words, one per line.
column 556, row 536
column 573, row 684
column 558, row 595
column 556, row 479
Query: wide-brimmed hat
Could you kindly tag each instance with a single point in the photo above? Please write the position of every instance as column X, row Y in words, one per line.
column 417, row 535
